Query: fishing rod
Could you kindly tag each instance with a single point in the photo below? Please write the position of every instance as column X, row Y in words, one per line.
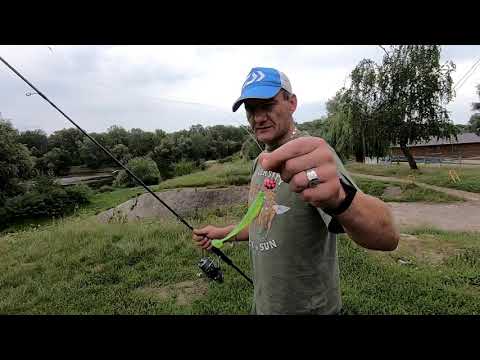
column 205, row 264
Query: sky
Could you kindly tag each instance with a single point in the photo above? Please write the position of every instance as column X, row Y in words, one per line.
column 174, row 87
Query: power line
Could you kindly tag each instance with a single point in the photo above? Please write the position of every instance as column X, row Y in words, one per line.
column 465, row 77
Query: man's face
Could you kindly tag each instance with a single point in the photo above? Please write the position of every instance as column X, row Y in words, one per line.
column 271, row 119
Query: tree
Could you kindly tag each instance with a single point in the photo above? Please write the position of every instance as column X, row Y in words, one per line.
column 16, row 163
column 67, row 139
column 144, row 168
column 339, row 134
column 116, row 135
column 35, row 140
column 92, row 155
column 164, row 156
column 141, row 142
column 199, row 144
column 476, row 105
column 56, row 161
column 359, row 106
column 414, row 89
column 315, row 127
column 122, row 153
column 250, row 149
column 474, row 122
column 159, row 135
column 461, row 128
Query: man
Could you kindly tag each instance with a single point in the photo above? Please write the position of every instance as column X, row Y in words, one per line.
column 311, row 198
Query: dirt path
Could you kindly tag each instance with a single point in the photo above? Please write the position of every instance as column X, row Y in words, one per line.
column 463, row 194
column 454, row 217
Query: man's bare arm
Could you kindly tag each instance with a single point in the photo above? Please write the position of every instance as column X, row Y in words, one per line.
column 369, row 222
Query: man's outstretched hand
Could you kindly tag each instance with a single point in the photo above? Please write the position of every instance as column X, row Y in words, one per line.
column 292, row 159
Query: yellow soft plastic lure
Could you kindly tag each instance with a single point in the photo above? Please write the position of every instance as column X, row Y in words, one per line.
column 251, row 214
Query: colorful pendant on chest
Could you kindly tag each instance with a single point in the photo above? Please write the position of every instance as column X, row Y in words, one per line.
column 269, row 183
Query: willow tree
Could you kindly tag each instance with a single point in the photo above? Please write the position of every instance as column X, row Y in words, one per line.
column 358, row 106
column 415, row 89
column 16, row 163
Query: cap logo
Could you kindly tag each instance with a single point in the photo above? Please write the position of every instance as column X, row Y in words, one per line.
column 254, row 76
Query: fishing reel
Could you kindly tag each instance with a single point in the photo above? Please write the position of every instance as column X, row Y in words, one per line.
column 210, row 269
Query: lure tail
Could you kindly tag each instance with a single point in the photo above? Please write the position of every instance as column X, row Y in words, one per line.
column 251, row 214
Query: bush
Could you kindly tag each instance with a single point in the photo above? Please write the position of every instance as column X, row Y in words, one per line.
column 144, row 168
column 56, row 160
column 105, row 188
column 16, row 162
column 225, row 159
column 250, row 149
column 46, row 199
column 371, row 187
column 237, row 179
column 202, row 166
column 79, row 194
column 184, row 168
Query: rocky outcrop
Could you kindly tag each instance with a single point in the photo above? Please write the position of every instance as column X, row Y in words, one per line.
column 184, row 201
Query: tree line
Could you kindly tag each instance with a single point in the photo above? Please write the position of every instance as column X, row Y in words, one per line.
column 65, row 148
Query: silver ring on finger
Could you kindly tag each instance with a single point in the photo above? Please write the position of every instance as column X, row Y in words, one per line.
column 312, row 177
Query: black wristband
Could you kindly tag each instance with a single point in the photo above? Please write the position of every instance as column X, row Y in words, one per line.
column 350, row 192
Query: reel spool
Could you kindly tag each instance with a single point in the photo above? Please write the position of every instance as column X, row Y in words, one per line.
column 210, row 269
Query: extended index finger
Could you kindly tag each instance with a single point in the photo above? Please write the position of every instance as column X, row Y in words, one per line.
column 292, row 149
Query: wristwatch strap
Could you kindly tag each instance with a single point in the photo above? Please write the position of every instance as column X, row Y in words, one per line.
column 350, row 192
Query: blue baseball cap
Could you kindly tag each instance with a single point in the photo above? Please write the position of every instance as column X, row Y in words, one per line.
column 262, row 83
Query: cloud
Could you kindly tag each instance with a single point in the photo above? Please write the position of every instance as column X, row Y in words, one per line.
column 164, row 86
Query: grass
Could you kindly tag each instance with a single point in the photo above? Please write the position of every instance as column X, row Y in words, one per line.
column 373, row 286
column 232, row 173
column 78, row 266
column 433, row 175
column 410, row 192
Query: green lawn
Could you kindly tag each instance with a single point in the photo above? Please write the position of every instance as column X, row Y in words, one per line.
column 78, row 266
column 231, row 173
column 429, row 174
column 371, row 285
column 410, row 192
